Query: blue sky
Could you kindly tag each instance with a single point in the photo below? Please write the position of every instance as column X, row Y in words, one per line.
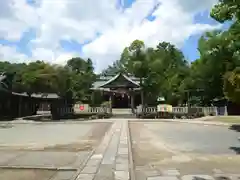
column 191, row 44
column 107, row 28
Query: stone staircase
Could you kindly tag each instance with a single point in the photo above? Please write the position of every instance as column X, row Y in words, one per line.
column 122, row 113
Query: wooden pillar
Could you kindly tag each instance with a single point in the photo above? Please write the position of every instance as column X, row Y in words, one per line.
column 92, row 98
column 20, row 106
column 142, row 101
column 110, row 102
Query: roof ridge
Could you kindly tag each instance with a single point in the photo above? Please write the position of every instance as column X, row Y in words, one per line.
column 118, row 75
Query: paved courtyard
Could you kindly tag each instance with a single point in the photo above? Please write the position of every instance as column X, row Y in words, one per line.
column 181, row 149
column 118, row 149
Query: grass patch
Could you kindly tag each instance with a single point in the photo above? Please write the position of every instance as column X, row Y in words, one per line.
column 228, row 119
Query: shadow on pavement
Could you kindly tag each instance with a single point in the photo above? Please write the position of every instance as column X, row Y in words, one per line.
column 236, row 149
column 235, row 127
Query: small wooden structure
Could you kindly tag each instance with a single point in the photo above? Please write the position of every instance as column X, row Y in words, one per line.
column 13, row 105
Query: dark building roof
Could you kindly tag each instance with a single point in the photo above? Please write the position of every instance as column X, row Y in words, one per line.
column 118, row 81
column 2, row 77
column 40, row 95
column 3, row 84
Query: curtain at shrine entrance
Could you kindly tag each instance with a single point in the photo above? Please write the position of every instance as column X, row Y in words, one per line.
column 121, row 101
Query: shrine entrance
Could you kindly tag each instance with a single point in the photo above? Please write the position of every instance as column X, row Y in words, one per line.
column 121, row 91
column 121, row 101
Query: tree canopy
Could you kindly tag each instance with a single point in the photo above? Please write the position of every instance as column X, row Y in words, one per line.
column 75, row 78
column 215, row 75
column 163, row 70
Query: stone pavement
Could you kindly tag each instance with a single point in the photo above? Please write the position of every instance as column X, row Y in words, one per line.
column 110, row 160
column 156, row 160
column 126, row 151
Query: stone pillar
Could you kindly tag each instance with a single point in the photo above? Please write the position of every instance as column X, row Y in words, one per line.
column 132, row 103
column 226, row 111
column 216, row 111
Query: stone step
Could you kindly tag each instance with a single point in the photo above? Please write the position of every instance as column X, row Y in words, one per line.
column 124, row 116
column 121, row 111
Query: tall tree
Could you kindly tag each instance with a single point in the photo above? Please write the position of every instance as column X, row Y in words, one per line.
column 113, row 69
column 226, row 10
column 232, row 85
column 82, row 77
column 161, row 70
column 228, row 48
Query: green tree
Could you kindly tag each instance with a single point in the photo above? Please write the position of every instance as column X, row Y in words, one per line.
column 82, row 77
column 161, row 71
column 224, row 47
column 113, row 69
column 37, row 77
column 232, row 85
column 73, row 80
column 226, row 10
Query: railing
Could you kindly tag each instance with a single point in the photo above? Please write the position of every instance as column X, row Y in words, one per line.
column 64, row 110
column 99, row 110
column 204, row 110
column 150, row 109
column 181, row 110
column 210, row 111
column 90, row 110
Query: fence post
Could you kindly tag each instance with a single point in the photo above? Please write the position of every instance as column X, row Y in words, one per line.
column 216, row 111
column 226, row 111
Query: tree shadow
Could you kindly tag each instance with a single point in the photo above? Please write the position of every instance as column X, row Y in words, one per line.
column 235, row 127
column 235, row 149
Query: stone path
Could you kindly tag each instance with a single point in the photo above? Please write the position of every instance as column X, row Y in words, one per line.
column 110, row 160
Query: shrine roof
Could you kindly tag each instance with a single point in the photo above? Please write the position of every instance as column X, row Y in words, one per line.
column 117, row 81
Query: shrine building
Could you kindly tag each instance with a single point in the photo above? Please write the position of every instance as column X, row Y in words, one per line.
column 121, row 90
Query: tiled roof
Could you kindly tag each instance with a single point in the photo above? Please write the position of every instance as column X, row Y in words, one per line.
column 105, row 79
column 2, row 77
column 3, row 85
column 46, row 95
column 40, row 95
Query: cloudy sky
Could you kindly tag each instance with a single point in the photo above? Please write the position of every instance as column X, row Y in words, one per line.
column 56, row 30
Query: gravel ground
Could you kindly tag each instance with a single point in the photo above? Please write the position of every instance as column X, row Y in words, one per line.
column 51, row 136
column 36, row 151
column 185, row 148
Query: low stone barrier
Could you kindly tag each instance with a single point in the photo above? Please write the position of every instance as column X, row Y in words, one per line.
column 171, row 112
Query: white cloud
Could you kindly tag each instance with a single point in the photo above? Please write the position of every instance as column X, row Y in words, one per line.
column 55, row 57
column 15, row 18
column 11, row 54
column 82, row 20
column 173, row 23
